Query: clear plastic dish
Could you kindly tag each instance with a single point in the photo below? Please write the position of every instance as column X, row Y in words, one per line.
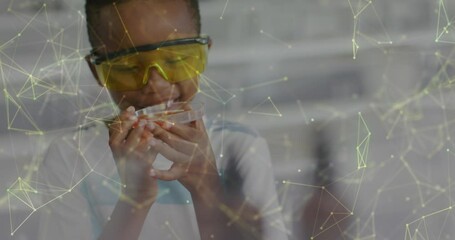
column 175, row 112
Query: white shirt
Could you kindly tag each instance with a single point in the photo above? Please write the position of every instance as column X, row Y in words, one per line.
column 82, row 185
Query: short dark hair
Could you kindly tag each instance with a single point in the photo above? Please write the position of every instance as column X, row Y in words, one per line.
column 93, row 7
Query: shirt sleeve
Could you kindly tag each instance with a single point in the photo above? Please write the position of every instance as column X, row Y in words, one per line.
column 65, row 211
column 255, row 167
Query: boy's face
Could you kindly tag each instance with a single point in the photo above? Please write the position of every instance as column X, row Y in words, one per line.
column 141, row 22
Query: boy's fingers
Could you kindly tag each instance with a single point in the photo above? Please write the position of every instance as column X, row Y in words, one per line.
column 184, row 131
column 170, row 153
column 175, row 142
column 194, row 130
column 135, row 135
column 174, row 173
column 119, row 129
column 150, row 156
column 200, row 125
column 144, row 144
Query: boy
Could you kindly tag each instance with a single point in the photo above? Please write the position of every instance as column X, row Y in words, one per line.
column 150, row 52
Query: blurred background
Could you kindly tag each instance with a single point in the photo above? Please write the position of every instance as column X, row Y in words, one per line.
column 354, row 97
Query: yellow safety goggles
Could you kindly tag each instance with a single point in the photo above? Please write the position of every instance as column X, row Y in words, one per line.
column 175, row 60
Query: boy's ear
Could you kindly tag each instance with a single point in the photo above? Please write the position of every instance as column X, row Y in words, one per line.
column 210, row 42
column 92, row 69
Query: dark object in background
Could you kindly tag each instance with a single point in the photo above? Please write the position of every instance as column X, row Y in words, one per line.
column 325, row 215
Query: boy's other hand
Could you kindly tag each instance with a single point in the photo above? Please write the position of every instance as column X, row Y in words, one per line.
column 131, row 143
column 188, row 147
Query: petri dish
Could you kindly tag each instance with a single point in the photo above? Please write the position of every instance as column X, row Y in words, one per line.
column 175, row 112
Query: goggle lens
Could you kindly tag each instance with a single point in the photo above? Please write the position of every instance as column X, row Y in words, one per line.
column 174, row 63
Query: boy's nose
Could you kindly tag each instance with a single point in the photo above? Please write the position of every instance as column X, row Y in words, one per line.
column 155, row 82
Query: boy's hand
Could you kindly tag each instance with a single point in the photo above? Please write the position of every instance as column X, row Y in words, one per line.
column 194, row 165
column 130, row 142
column 188, row 147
